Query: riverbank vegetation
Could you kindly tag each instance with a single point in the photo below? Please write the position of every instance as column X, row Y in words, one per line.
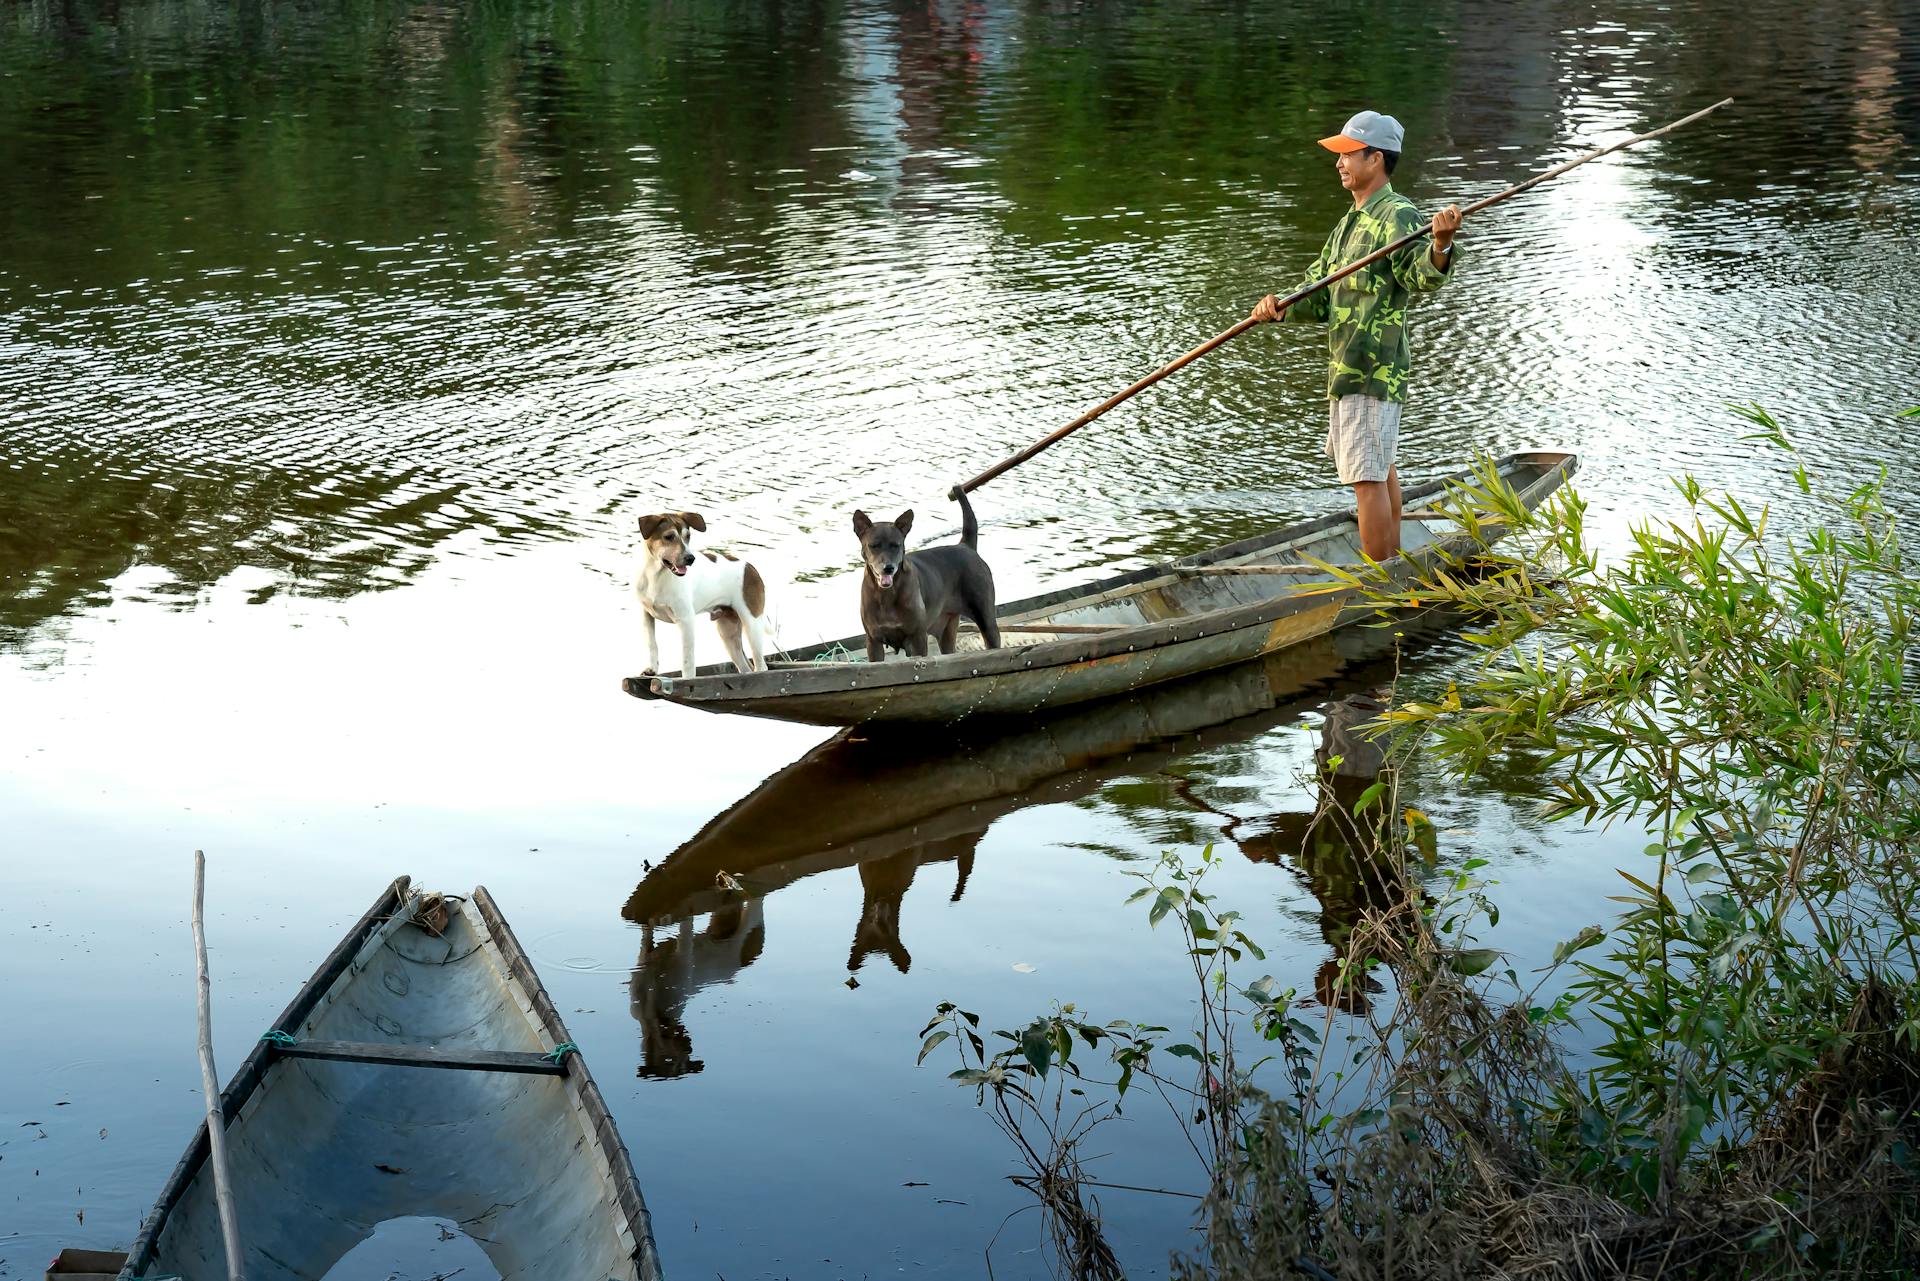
column 1718, row 1081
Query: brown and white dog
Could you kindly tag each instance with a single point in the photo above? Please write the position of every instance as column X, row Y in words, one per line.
column 675, row 584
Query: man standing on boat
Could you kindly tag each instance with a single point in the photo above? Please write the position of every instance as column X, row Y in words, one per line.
column 1366, row 319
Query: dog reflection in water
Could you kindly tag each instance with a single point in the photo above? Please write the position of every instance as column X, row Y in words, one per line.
column 677, row 961
column 884, row 883
column 673, row 968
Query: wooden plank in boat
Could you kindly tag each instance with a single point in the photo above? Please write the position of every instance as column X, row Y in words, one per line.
column 1067, row 629
column 1252, row 569
column 426, row 1056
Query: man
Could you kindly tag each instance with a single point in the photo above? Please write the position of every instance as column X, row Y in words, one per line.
column 1366, row 319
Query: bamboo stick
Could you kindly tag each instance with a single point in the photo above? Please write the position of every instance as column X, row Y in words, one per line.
column 210, row 1082
column 1248, row 569
column 1219, row 339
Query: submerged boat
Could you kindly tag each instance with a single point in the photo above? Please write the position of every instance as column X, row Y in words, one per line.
column 422, row 1071
column 1207, row 611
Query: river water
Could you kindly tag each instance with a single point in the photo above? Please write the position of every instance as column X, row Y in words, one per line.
column 343, row 344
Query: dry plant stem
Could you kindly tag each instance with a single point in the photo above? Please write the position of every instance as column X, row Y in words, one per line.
column 1667, row 1158
column 210, row 1083
column 1055, row 1181
column 1134, row 1187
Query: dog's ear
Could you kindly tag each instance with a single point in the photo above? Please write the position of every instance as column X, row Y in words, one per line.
column 694, row 520
column 650, row 525
column 861, row 524
column 905, row 521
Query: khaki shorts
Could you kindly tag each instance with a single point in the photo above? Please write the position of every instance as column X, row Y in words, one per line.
column 1363, row 437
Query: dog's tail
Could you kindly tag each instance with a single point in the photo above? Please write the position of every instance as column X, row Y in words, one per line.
column 969, row 526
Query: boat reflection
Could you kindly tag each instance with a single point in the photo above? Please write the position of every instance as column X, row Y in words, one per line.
column 891, row 804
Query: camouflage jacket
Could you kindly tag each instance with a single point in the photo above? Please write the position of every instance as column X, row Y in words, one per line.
column 1366, row 314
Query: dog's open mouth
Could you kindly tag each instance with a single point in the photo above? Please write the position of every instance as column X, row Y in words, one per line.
column 885, row 580
column 679, row 571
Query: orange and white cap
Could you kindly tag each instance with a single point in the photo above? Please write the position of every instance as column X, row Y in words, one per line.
column 1368, row 129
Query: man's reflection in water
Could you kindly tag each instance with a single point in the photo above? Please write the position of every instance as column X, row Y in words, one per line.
column 672, row 969
column 674, row 965
column 1349, row 871
column 884, row 882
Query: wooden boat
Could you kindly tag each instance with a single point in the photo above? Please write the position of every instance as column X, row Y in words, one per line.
column 422, row 1071
column 1206, row 611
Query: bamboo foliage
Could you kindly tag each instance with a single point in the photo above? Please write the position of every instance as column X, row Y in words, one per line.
column 1718, row 1079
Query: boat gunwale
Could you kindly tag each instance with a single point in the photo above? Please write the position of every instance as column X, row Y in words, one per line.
column 721, row 687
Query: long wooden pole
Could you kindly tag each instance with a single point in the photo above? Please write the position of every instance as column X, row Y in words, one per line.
column 210, row 1082
column 1292, row 298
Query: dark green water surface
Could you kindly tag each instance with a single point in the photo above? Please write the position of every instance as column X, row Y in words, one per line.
column 340, row 345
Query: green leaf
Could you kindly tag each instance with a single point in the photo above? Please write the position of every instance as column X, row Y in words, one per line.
column 1370, row 797
column 1037, row 1045
column 1722, row 907
column 1473, row 960
column 1169, row 898
column 1186, row 1051
column 1586, row 938
column 1595, row 1128
column 932, row 1041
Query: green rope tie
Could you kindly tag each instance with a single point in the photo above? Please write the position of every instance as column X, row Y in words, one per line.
column 560, row 1051
column 277, row 1037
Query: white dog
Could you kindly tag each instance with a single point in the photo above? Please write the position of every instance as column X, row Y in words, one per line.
column 675, row 585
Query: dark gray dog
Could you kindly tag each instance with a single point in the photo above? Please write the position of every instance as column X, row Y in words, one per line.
column 903, row 596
